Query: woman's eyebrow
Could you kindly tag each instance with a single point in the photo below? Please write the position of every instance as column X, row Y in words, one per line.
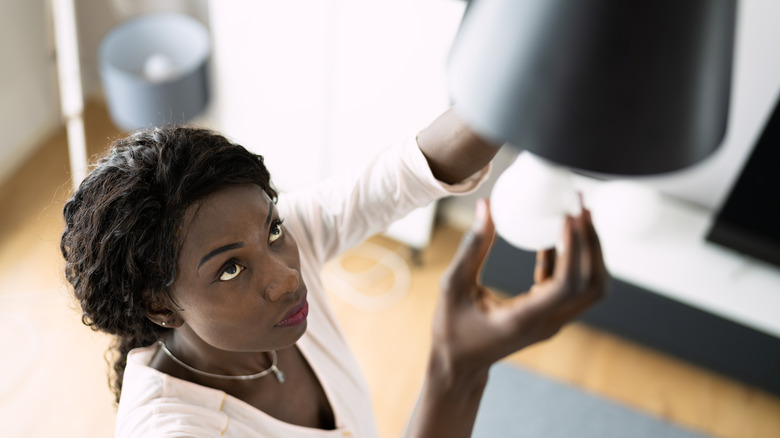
column 220, row 250
column 270, row 214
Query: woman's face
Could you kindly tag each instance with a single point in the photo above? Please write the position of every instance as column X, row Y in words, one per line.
column 239, row 281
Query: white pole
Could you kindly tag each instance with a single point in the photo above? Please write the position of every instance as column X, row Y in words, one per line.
column 71, row 97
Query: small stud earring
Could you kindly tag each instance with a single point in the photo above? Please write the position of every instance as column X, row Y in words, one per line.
column 163, row 323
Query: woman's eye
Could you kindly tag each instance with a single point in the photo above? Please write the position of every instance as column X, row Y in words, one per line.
column 276, row 232
column 231, row 272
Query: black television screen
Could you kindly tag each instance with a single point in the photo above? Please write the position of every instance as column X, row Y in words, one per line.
column 749, row 220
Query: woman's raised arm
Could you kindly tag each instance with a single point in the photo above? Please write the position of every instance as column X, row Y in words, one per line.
column 453, row 150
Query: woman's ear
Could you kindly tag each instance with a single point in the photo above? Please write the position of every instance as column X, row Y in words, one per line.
column 161, row 310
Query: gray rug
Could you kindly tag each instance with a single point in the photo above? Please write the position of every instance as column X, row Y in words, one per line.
column 519, row 403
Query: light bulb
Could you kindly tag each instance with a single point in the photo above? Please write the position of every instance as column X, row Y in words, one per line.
column 530, row 201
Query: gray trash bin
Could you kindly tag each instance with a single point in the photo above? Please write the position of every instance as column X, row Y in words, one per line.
column 153, row 70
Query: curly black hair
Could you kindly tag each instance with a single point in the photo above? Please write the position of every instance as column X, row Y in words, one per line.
column 122, row 226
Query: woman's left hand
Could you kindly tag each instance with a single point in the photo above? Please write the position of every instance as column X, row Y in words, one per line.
column 473, row 329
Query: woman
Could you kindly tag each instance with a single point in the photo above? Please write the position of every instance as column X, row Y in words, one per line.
column 176, row 245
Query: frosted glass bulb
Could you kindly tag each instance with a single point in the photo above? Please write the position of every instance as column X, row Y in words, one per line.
column 159, row 68
column 530, row 200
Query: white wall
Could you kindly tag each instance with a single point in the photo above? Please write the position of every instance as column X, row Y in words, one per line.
column 28, row 101
column 317, row 86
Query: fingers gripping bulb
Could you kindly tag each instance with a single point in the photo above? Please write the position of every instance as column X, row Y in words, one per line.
column 530, row 201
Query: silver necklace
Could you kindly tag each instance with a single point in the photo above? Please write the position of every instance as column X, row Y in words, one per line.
column 272, row 369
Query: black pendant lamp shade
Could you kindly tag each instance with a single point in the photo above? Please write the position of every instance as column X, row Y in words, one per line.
column 612, row 86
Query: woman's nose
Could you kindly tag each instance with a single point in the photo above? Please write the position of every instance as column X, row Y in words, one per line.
column 284, row 281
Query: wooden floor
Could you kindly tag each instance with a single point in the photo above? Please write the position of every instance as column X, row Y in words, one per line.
column 54, row 372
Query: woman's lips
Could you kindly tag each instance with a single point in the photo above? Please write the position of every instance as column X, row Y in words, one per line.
column 296, row 316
